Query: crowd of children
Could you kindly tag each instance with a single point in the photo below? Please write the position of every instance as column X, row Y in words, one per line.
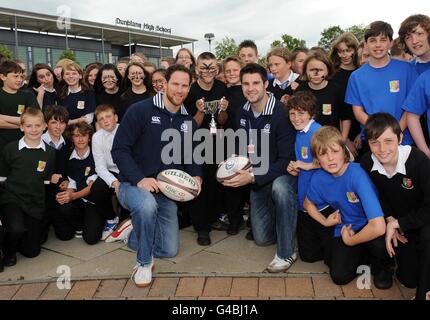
column 348, row 153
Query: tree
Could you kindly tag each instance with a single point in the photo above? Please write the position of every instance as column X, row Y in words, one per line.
column 227, row 47
column 357, row 30
column 6, row 52
column 288, row 42
column 328, row 36
column 68, row 54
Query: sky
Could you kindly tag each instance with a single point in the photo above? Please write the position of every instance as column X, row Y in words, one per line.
column 261, row 21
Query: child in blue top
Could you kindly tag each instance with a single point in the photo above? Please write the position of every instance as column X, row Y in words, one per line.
column 417, row 104
column 313, row 239
column 79, row 101
column 382, row 84
column 360, row 226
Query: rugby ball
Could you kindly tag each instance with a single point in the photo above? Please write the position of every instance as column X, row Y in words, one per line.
column 229, row 168
column 177, row 185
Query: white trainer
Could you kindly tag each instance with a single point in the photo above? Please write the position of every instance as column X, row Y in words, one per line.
column 281, row 265
column 142, row 275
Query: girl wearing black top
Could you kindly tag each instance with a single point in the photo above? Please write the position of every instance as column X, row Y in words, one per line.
column 345, row 61
column 106, row 87
column 318, row 72
column 44, row 83
column 136, row 86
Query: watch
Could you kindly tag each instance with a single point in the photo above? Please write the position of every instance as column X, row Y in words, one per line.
column 252, row 177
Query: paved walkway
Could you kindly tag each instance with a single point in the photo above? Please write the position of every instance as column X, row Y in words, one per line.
column 231, row 268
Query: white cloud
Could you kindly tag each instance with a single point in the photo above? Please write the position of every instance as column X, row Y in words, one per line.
column 262, row 21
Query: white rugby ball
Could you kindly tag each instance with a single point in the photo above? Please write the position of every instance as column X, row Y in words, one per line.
column 177, row 185
column 228, row 168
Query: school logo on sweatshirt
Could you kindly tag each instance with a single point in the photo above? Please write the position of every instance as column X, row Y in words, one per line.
column 81, row 105
column 394, row 86
column 243, row 122
column 41, row 165
column 352, row 197
column 304, row 152
column 407, row 184
column 267, row 128
column 326, row 109
column 20, row 109
column 87, row 171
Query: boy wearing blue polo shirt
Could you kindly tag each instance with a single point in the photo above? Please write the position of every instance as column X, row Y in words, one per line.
column 313, row 239
column 417, row 104
column 382, row 84
column 361, row 226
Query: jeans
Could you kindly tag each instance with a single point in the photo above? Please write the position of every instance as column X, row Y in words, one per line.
column 274, row 215
column 155, row 223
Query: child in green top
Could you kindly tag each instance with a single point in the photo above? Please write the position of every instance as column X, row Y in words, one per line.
column 28, row 164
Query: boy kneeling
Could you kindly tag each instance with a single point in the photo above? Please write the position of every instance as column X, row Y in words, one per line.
column 28, row 165
column 401, row 175
column 360, row 227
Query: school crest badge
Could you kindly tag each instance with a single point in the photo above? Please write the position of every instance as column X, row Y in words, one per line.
column 352, row 197
column 326, row 109
column 21, row 109
column 394, row 86
column 304, row 153
column 407, row 184
column 81, row 105
column 41, row 165
column 87, row 171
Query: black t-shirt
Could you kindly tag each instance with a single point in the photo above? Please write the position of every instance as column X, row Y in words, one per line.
column 114, row 100
column 236, row 101
column 329, row 101
column 218, row 91
column 129, row 98
column 341, row 78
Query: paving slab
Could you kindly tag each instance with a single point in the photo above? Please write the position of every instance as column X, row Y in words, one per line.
column 77, row 248
column 42, row 267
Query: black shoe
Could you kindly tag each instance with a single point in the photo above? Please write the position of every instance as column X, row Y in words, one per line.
column 9, row 260
column 203, row 238
column 383, row 280
column 220, row 225
column 249, row 235
column 234, row 228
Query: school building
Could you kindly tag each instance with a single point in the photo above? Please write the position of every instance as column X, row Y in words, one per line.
column 40, row 38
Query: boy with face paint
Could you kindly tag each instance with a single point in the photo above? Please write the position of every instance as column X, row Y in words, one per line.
column 204, row 210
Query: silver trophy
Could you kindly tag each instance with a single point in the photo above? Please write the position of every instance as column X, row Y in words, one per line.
column 212, row 108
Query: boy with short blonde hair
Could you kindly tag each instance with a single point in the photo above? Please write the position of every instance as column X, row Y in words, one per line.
column 28, row 165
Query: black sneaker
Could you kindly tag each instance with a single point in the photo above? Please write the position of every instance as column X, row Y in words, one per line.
column 203, row 238
column 234, row 228
column 383, row 280
column 220, row 225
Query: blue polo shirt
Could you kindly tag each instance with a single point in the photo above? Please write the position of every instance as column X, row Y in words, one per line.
column 303, row 153
column 418, row 100
column 382, row 89
column 353, row 194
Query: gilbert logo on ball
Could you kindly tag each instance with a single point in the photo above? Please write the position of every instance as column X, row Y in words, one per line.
column 177, row 185
column 229, row 168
